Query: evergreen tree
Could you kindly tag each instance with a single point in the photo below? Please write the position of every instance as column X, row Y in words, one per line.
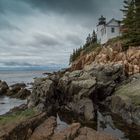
column 70, row 60
column 129, row 19
column 137, row 5
column 137, row 22
column 90, row 43
column 88, row 40
column 94, row 37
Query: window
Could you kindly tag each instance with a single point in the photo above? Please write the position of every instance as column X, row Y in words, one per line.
column 113, row 30
column 105, row 30
column 102, row 32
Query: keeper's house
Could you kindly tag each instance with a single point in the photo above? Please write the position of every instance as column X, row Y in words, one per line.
column 107, row 30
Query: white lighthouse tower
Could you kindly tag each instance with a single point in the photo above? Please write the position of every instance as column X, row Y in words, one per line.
column 101, row 29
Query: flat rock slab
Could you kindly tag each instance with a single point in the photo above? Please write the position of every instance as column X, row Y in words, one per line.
column 45, row 130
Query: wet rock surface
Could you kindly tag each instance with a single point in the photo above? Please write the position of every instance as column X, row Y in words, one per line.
column 83, row 107
column 126, row 100
column 90, row 134
column 78, row 91
column 21, row 130
column 18, row 90
column 45, row 130
column 41, row 128
column 3, row 87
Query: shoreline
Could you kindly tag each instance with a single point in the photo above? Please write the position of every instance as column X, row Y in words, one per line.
column 61, row 86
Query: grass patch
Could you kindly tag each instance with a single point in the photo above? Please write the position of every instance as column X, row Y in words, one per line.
column 124, row 42
column 86, row 49
column 17, row 117
column 92, row 47
column 113, row 40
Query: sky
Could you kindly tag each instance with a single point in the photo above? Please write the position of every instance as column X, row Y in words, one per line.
column 45, row 32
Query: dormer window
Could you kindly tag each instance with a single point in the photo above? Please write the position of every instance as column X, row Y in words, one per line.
column 113, row 30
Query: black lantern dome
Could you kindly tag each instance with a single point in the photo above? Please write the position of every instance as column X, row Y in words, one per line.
column 102, row 20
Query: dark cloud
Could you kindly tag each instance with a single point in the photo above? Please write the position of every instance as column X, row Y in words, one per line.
column 70, row 6
column 19, row 7
column 84, row 11
column 45, row 40
column 46, row 31
column 75, row 7
column 6, row 25
column 80, row 7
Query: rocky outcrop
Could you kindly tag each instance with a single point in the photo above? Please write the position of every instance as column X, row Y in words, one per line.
column 41, row 128
column 78, row 91
column 23, row 93
column 74, row 131
column 21, row 130
column 111, row 54
column 126, row 100
column 3, row 87
column 42, row 94
column 83, row 107
column 45, row 130
column 18, row 90
column 86, row 133
column 18, row 85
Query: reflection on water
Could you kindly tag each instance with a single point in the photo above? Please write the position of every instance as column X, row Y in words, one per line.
column 105, row 122
column 61, row 125
column 7, row 103
column 110, row 123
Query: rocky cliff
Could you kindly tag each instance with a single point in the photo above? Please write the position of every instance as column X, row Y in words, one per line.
column 93, row 78
column 111, row 53
column 81, row 91
column 78, row 91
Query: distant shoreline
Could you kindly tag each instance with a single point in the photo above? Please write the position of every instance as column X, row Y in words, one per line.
column 25, row 68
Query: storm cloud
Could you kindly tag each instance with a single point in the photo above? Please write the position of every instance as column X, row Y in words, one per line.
column 44, row 32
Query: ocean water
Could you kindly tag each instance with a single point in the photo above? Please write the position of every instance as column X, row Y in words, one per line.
column 16, row 76
column 7, row 103
column 19, row 76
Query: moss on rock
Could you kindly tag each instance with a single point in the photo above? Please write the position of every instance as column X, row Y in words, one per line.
column 16, row 116
column 131, row 91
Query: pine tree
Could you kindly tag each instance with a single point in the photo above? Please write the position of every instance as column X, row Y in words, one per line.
column 88, row 39
column 70, row 59
column 73, row 55
column 94, row 37
column 137, row 22
column 137, row 11
column 129, row 19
